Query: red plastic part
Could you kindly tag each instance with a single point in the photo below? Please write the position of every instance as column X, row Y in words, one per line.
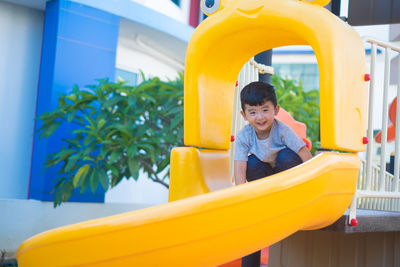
column 232, row 138
column 353, row 222
column 237, row 83
column 365, row 140
column 367, row 77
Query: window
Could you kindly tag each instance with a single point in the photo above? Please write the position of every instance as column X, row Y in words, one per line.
column 130, row 77
column 307, row 73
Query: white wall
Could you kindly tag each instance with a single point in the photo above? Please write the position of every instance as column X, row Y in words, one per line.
column 144, row 191
column 132, row 59
column 377, row 31
column 168, row 8
column 20, row 46
column 305, row 59
column 24, row 218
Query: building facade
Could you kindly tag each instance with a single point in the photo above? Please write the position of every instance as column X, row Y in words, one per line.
column 48, row 46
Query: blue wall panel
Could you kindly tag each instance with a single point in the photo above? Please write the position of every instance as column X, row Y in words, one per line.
column 79, row 46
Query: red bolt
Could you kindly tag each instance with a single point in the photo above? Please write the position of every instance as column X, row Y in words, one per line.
column 367, row 77
column 365, row 140
column 232, row 138
column 353, row 222
column 237, row 83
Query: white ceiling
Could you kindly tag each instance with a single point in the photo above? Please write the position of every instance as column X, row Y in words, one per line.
column 130, row 33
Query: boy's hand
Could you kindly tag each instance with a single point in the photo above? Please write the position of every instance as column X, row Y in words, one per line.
column 239, row 171
column 304, row 154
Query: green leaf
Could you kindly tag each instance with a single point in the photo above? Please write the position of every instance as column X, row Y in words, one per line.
column 163, row 165
column 61, row 100
column 75, row 89
column 115, row 156
column 114, row 171
column 58, row 198
column 141, row 130
column 90, row 120
column 150, row 98
column 175, row 121
column 81, row 173
column 79, row 130
column 132, row 150
column 115, row 100
column 71, row 97
column 133, row 168
column 58, row 157
column 94, row 181
column 146, row 147
column 68, row 191
column 101, row 123
column 48, row 131
column 70, row 116
column 89, row 139
column 132, row 101
column 103, row 177
column 174, row 110
column 85, row 182
column 71, row 161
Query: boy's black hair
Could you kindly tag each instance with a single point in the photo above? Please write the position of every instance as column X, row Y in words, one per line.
column 257, row 93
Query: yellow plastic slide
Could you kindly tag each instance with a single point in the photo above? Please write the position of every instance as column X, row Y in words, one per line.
column 205, row 227
column 206, row 230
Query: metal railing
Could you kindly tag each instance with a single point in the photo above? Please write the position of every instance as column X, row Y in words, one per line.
column 377, row 189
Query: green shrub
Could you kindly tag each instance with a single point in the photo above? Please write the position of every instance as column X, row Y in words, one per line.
column 118, row 131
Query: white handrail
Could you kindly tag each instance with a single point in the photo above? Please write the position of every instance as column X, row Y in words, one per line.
column 390, row 45
column 371, row 115
column 377, row 189
column 397, row 143
column 384, row 116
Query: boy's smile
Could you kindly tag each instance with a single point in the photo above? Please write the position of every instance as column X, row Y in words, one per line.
column 261, row 117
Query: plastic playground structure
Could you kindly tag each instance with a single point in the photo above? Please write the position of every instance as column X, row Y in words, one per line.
column 208, row 222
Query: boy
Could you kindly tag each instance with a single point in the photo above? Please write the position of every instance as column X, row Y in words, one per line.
column 273, row 146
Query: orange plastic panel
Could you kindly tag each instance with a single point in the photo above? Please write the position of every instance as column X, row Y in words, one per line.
column 298, row 127
column 391, row 129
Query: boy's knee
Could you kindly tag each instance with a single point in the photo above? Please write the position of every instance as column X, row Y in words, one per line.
column 287, row 159
column 253, row 162
column 257, row 169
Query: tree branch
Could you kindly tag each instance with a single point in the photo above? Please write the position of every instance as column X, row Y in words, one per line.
column 155, row 179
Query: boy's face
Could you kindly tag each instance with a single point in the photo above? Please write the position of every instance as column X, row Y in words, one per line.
column 261, row 117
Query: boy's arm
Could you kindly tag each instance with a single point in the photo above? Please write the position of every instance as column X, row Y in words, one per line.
column 239, row 171
column 304, row 154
